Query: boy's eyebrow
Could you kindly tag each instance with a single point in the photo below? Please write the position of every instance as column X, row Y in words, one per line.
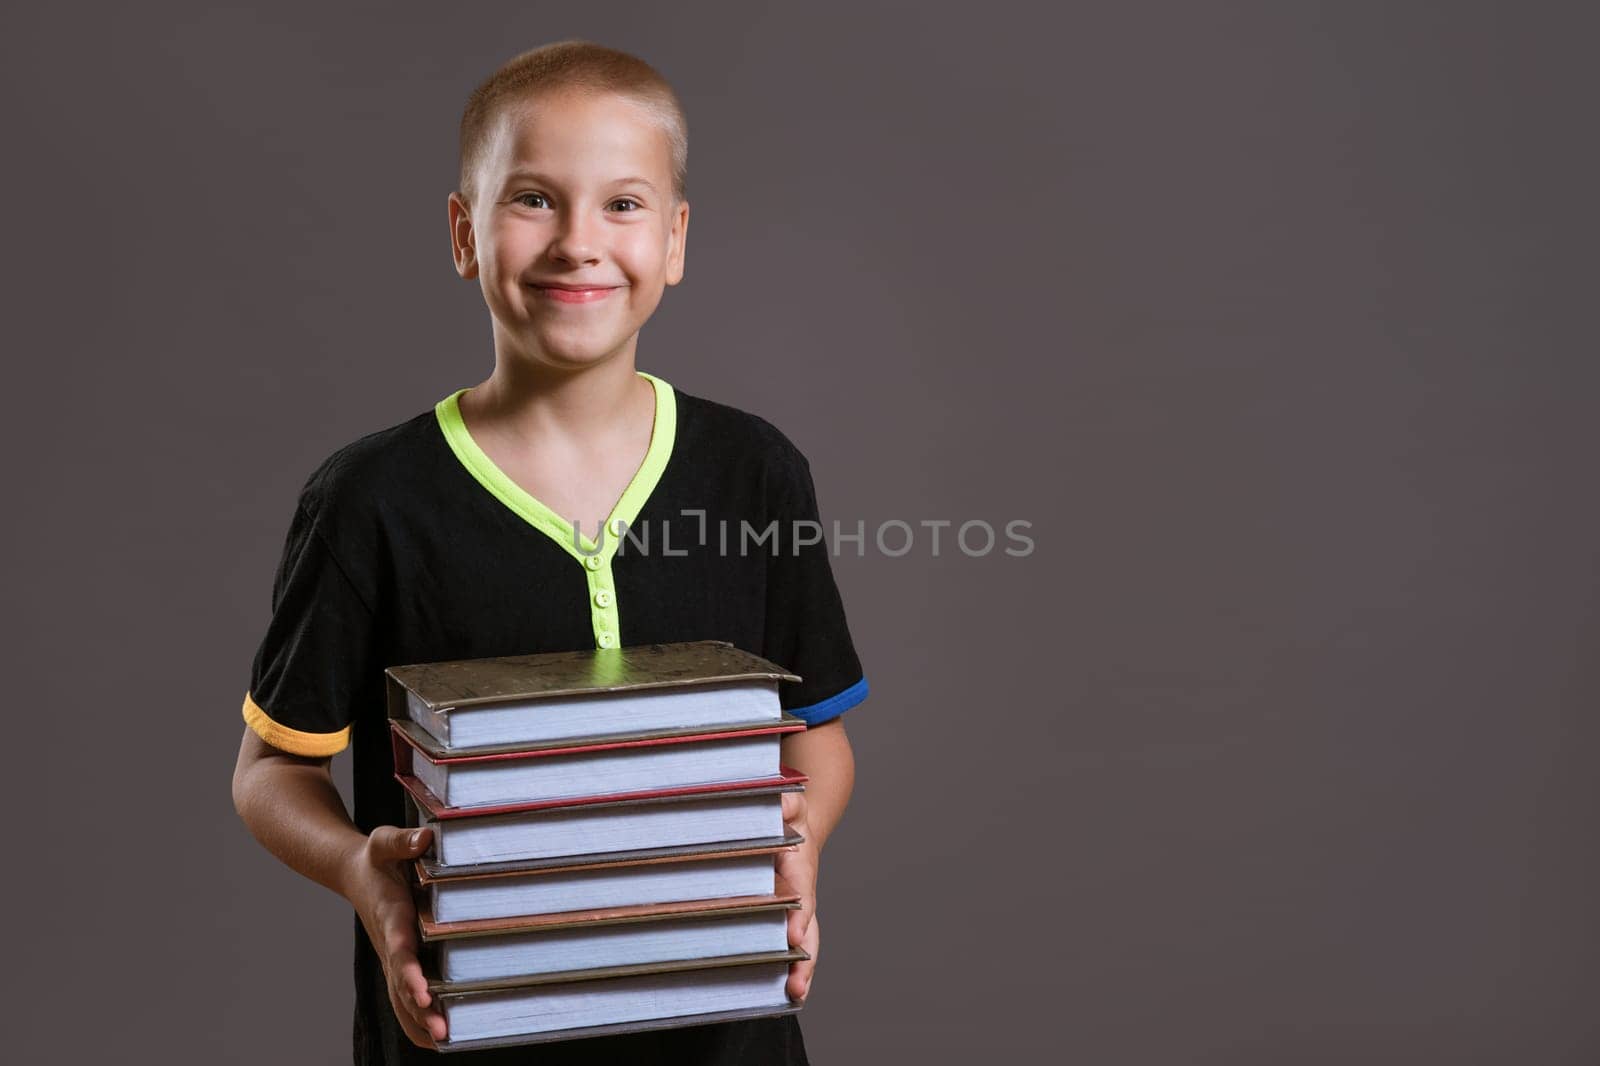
column 533, row 175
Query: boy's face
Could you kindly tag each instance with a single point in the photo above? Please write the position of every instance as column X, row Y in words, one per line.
column 572, row 191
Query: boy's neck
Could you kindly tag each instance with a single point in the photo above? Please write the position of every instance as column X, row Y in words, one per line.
column 528, row 401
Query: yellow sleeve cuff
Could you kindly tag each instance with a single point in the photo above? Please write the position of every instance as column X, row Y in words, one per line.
column 293, row 741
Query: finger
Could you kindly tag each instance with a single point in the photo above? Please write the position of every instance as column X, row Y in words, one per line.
column 800, row 876
column 415, row 1031
column 412, row 1021
column 411, row 999
column 800, row 922
column 802, row 973
column 798, row 867
column 413, row 987
column 799, row 984
column 409, row 975
column 393, row 844
column 430, row 1024
column 794, row 806
column 429, row 1019
column 813, row 941
column 417, row 1034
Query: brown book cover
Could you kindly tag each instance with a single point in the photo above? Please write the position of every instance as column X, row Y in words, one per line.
column 783, row 898
column 444, row 686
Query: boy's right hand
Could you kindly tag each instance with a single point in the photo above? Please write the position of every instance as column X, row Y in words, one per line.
column 381, row 895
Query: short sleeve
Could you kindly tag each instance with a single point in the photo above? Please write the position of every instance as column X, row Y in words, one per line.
column 806, row 631
column 317, row 661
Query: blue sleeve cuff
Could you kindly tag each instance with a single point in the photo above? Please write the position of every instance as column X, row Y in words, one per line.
column 833, row 706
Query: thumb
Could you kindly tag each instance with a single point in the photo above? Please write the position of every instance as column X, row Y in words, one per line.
column 391, row 842
column 794, row 805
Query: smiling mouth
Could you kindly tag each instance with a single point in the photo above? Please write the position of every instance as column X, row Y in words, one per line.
column 573, row 296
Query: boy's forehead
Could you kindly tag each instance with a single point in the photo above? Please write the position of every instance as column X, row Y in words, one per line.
column 579, row 136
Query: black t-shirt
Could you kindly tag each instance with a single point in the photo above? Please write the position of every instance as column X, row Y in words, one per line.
column 409, row 545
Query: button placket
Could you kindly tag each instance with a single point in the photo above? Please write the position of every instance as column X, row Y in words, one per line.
column 603, row 597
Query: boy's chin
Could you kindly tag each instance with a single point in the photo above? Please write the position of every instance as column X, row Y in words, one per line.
column 575, row 355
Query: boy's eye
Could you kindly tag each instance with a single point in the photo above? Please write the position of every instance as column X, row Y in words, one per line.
column 523, row 198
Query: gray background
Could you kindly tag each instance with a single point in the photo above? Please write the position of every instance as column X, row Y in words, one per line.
column 1277, row 748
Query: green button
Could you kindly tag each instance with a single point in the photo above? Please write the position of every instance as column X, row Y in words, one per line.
column 608, row 640
column 602, row 598
column 592, row 562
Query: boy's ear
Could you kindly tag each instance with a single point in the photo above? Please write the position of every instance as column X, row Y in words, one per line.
column 463, row 242
column 677, row 240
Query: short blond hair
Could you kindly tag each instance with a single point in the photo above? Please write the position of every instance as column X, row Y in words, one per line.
column 577, row 65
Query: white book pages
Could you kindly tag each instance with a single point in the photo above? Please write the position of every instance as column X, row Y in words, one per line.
column 625, row 944
column 594, row 830
column 599, row 714
column 599, row 773
column 617, row 886
column 579, row 1004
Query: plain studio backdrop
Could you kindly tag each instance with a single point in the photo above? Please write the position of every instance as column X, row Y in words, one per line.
column 1279, row 744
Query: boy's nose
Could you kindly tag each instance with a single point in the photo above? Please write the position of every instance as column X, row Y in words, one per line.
column 575, row 240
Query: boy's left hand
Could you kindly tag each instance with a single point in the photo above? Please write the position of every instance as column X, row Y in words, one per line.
column 798, row 866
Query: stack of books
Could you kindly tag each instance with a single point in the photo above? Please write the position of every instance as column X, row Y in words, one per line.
column 605, row 831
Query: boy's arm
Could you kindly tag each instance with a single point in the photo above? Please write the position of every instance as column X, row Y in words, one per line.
column 292, row 808
column 290, row 804
column 823, row 754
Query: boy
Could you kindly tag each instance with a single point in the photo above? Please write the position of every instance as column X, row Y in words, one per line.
column 448, row 536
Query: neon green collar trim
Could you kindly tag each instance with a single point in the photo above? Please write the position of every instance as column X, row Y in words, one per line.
column 541, row 517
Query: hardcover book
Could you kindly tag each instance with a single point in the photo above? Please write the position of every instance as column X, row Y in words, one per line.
column 554, row 696
column 665, row 995
column 462, row 954
column 485, row 894
column 589, row 766
column 705, row 814
column 429, row 869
